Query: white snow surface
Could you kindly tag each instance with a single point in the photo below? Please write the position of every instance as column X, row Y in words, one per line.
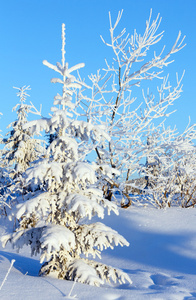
column 161, row 261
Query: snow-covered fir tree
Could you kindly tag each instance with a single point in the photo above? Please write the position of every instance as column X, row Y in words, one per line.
column 54, row 219
column 20, row 150
column 5, row 184
column 0, row 143
column 2, row 179
column 20, row 147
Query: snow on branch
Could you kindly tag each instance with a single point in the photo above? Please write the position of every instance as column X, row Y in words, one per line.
column 94, row 273
column 81, row 207
column 100, row 236
column 30, row 206
column 84, row 273
column 110, row 274
column 54, row 237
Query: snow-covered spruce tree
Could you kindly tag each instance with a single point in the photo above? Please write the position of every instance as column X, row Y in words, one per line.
column 0, row 143
column 115, row 100
column 19, row 152
column 2, row 180
column 20, row 147
column 5, row 184
column 54, row 220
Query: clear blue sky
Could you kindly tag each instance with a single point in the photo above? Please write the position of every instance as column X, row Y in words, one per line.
column 30, row 31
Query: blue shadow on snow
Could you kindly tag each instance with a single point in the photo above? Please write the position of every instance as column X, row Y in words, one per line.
column 154, row 249
column 25, row 265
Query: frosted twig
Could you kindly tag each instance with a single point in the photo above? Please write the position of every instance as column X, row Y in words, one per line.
column 69, row 295
column 12, row 262
column 3, row 202
column 63, row 45
column 36, row 111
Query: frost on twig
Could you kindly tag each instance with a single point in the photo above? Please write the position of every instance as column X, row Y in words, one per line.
column 114, row 101
column 6, row 276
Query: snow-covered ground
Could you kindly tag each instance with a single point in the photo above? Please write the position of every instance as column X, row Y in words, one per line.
column 161, row 261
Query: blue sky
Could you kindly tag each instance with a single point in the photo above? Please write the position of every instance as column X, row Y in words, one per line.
column 30, row 31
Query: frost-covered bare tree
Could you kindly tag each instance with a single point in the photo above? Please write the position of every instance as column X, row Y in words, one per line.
column 54, row 219
column 174, row 155
column 113, row 99
column 152, row 164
